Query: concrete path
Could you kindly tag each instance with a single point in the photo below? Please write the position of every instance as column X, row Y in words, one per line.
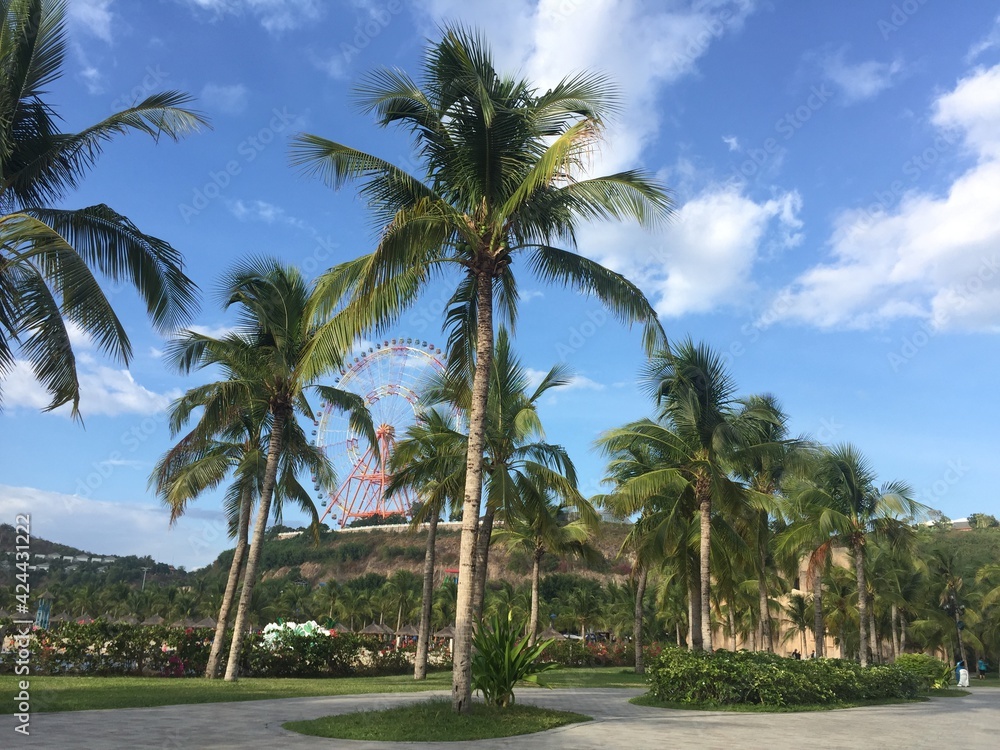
column 970, row 722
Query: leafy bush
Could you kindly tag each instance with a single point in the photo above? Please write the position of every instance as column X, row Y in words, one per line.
column 743, row 677
column 933, row 673
column 503, row 658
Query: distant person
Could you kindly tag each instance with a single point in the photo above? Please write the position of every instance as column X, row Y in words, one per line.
column 962, row 674
column 796, row 654
column 812, row 654
column 982, row 667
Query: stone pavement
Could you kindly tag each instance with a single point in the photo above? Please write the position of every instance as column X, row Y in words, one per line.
column 970, row 722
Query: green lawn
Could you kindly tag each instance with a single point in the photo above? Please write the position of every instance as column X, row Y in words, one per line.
column 82, row 693
column 434, row 721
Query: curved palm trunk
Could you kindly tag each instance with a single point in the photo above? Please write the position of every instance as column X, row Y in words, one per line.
column 424, row 633
column 461, row 681
column 640, row 593
column 483, row 541
column 893, row 620
column 766, row 637
column 253, row 558
column 859, row 567
column 705, row 561
column 239, row 557
column 873, row 639
column 536, row 565
column 819, row 630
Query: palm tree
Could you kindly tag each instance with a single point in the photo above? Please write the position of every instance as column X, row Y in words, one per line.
column 504, row 177
column 269, row 361
column 545, row 528
column 230, row 438
column 798, row 615
column 430, row 460
column 48, row 255
column 848, row 509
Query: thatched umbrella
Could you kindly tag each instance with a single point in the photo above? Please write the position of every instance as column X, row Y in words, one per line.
column 154, row 620
column 340, row 627
column 85, row 619
column 207, row 622
column 446, row 632
column 408, row 631
column 373, row 629
column 130, row 620
column 551, row 632
column 187, row 622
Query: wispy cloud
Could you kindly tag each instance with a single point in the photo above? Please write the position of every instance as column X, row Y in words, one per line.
column 860, row 81
column 230, row 100
column 988, row 42
column 268, row 213
column 93, row 16
column 276, row 16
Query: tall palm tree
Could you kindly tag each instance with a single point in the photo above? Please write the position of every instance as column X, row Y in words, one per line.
column 270, row 360
column 48, row 255
column 848, row 508
column 796, row 611
column 231, row 438
column 504, row 177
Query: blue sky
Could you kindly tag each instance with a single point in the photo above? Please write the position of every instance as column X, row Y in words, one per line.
column 836, row 169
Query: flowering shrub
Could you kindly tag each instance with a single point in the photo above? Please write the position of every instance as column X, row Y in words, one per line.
column 574, row 653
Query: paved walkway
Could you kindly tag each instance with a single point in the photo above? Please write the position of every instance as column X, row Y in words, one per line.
column 970, row 722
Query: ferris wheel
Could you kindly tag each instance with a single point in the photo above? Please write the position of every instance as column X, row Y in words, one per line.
column 390, row 376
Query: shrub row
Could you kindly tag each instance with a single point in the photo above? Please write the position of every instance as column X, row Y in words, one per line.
column 103, row 648
column 743, row 677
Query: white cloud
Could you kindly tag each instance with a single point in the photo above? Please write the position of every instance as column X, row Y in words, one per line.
column 640, row 46
column 232, row 100
column 276, row 16
column 92, row 79
column 990, row 41
column 860, row 81
column 94, row 16
column 530, row 294
column 934, row 256
column 268, row 213
column 704, row 258
column 213, row 331
column 732, row 141
column 110, row 528
column 576, row 382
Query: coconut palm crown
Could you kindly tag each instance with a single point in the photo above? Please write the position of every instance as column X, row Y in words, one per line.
column 48, row 255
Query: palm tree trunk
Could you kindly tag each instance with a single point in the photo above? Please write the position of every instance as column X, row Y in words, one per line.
column 424, row 634
column 235, row 568
column 893, row 617
column 902, row 633
column 873, row 639
column 859, row 567
column 253, row 558
column 677, row 632
column 461, row 680
column 732, row 628
column 694, row 615
column 536, row 566
column 483, row 541
column 819, row 629
column 766, row 637
column 705, row 562
column 640, row 593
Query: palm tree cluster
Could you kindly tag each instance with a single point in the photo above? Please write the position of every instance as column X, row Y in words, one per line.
column 727, row 505
column 723, row 503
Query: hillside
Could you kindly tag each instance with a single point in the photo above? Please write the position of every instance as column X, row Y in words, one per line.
column 342, row 555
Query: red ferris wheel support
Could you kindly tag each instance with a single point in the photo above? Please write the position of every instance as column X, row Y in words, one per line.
column 362, row 493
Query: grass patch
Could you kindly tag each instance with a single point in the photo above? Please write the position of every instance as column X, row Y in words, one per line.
column 757, row 708
column 593, row 677
column 73, row 693
column 49, row 694
column 434, row 721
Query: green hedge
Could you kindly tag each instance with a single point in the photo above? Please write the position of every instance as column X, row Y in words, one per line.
column 933, row 673
column 104, row 648
column 727, row 678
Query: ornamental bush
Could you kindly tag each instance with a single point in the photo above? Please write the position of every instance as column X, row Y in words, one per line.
column 933, row 673
column 743, row 677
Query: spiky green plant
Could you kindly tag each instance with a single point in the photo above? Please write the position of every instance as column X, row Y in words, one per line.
column 503, row 658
